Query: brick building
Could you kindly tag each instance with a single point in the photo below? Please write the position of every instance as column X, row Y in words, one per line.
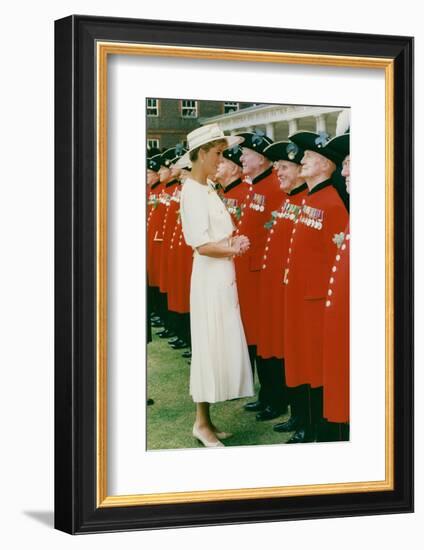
column 168, row 121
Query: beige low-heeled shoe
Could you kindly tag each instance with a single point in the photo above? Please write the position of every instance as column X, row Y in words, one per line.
column 204, row 441
column 223, row 435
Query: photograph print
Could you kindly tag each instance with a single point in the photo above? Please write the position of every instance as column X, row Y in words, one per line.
column 247, row 255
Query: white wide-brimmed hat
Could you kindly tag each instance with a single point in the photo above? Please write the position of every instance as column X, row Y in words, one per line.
column 202, row 136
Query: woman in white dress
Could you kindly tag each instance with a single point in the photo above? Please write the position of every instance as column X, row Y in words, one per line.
column 220, row 366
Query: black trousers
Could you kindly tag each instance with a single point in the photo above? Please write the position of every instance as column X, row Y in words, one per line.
column 306, row 406
column 163, row 312
column 152, row 299
column 272, row 379
column 252, row 357
column 180, row 324
column 333, row 431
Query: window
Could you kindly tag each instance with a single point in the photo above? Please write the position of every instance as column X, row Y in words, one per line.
column 189, row 108
column 230, row 107
column 152, row 107
column 153, row 143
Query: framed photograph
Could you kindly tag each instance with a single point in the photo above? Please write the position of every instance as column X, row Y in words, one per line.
column 150, row 302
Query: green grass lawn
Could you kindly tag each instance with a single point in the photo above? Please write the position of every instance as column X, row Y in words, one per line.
column 170, row 420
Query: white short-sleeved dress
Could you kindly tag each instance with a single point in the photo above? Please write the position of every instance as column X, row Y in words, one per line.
column 220, row 366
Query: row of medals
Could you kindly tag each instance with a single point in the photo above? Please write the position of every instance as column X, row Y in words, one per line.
column 312, row 217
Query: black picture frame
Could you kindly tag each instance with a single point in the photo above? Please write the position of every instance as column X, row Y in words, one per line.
column 76, row 484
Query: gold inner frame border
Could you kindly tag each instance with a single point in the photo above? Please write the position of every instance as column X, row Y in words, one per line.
column 103, row 50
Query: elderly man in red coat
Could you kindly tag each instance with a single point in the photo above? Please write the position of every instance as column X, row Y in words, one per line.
column 309, row 265
column 154, row 189
column 157, row 232
column 336, row 328
column 230, row 177
column 270, row 346
column 263, row 197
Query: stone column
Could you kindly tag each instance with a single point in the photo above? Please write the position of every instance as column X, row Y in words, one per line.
column 320, row 123
column 270, row 130
column 293, row 126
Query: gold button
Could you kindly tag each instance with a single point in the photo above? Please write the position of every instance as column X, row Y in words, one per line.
column 328, row 303
column 338, row 257
column 331, row 280
column 348, row 237
column 343, row 246
column 334, row 269
column 265, row 256
column 267, row 247
column 330, row 292
column 264, row 266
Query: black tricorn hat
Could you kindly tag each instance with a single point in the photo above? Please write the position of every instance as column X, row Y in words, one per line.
column 319, row 143
column 340, row 145
column 284, row 150
column 152, row 151
column 154, row 163
column 233, row 153
column 257, row 141
column 170, row 156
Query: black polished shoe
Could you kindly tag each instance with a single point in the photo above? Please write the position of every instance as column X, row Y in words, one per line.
column 156, row 323
column 291, row 425
column 304, row 435
column 254, row 406
column 179, row 344
column 186, row 355
column 150, row 401
column 173, row 340
column 269, row 413
column 166, row 334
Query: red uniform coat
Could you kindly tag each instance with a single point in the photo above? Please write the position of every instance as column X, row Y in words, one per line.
column 264, row 196
column 153, row 192
column 234, row 195
column 336, row 338
column 169, row 221
column 155, row 233
column 181, row 259
column 271, row 308
column 155, row 212
column 312, row 250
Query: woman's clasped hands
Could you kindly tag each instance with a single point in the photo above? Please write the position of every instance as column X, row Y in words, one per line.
column 240, row 244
